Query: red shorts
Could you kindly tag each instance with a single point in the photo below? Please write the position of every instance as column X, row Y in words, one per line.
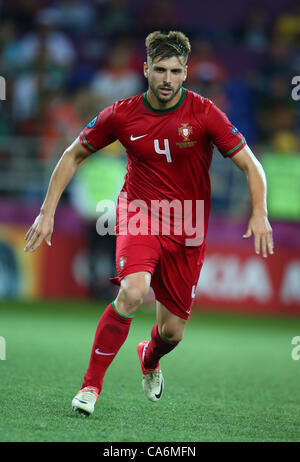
column 175, row 269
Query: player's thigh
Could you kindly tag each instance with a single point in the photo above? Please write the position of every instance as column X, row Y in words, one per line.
column 170, row 326
column 135, row 254
column 175, row 279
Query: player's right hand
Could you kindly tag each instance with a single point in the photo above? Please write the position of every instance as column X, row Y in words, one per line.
column 40, row 230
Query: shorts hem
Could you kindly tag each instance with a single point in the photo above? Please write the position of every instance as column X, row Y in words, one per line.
column 173, row 308
column 130, row 270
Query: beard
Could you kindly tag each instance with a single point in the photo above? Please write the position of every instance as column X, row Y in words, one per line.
column 163, row 99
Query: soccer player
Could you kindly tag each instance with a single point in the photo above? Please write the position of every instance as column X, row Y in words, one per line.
column 169, row 134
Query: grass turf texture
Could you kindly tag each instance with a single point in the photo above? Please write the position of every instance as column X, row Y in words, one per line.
column 231, row 379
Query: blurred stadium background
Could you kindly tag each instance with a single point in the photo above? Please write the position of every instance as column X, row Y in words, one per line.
column 63, row 61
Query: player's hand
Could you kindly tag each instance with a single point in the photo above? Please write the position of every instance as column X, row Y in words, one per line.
column 41, row 230
column 261, row 229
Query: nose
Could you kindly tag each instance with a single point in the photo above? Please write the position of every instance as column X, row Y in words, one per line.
column 167, row 77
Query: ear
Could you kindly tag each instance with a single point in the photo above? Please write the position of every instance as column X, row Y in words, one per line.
column 146, row 70
column 185, row 73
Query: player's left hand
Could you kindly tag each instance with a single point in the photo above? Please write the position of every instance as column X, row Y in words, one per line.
column 261, row 229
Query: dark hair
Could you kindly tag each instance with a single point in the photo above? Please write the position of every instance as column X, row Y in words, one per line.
column 166, row 45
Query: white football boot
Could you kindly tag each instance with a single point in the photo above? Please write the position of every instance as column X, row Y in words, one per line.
column 153, row 381
column 85, row 400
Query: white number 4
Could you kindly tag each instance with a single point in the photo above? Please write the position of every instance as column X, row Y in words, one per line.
column 165, row 151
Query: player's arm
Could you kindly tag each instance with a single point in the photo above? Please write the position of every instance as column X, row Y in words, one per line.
column 258, row 224
column 66, row 167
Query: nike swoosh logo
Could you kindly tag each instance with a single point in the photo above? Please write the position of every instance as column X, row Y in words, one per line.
column 98, row 352
column 160, row 392
column 83, row 402
column 133, row 138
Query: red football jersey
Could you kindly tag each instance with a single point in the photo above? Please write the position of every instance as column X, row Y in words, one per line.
column 169, row 155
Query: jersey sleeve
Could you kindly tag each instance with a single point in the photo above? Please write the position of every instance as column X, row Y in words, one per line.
column 223, row 134
column 100, row 131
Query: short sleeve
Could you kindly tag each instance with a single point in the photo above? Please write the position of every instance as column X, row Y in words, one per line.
column 100, row 131
column 223, row 134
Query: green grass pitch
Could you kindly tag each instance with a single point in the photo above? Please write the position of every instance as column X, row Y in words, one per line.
column 232, row 378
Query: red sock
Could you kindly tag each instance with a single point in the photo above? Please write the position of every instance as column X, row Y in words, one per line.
column 110, row 335
column 156, row 349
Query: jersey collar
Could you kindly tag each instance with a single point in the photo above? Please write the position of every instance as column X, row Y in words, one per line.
column 164, row 111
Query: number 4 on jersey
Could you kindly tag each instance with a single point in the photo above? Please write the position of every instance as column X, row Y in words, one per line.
column 165, row 151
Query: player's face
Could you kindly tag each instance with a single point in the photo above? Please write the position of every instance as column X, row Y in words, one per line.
column 165, row 78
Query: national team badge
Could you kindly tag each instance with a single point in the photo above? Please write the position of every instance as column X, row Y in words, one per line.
column 122, row 262
column 185, row 131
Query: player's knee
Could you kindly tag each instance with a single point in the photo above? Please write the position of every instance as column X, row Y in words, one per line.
column 130, row 298
column 171, row 334
column 133, row 291
column 134, row 296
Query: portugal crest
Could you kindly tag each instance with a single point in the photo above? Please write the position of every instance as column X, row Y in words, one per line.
column 122, row 262
column 185, row 131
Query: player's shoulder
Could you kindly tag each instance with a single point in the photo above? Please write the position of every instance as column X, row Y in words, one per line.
column 201, row 103
column 117, row 112
column 125, row 106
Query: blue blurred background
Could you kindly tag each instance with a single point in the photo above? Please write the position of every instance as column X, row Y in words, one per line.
column 64, row 61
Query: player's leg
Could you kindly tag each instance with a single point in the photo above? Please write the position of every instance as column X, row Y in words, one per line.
column 133, row 290
column 165, row 336
column 170, row 326
column 111, row 333
column 114, row 324
column 173, row 282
